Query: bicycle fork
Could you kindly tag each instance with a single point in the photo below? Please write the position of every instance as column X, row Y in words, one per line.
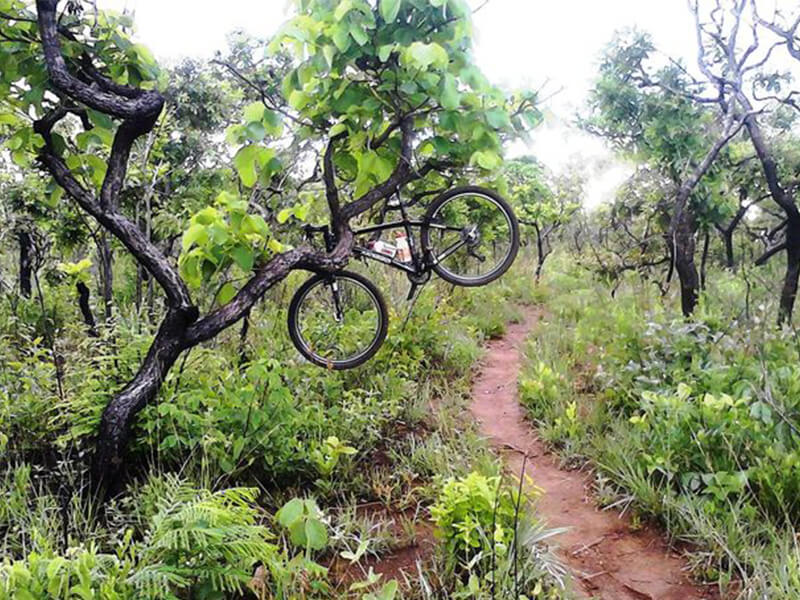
column 338, row 315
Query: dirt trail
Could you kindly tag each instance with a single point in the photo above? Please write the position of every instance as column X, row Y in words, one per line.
column 606, row 558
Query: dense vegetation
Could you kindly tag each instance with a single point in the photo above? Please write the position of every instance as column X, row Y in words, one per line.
column 160, row 436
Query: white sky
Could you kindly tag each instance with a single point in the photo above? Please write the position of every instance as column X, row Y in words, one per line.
column 519, row 43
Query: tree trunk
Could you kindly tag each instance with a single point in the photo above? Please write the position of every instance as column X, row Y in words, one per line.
column 704, row 260
column 730, row 262
column 684, row 249
column 118, row 417
column 25, row 263
column 86, row 309
column 539, row 253
column 243, row 358
column 789, row 291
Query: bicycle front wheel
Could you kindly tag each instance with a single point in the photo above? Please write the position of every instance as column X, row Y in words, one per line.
column 472, row 235
column 338, row 321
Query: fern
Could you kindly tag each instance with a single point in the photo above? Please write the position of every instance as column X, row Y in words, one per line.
column 199, row 540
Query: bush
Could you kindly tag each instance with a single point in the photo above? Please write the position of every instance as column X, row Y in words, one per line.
column 197, row 544
column 491, row 542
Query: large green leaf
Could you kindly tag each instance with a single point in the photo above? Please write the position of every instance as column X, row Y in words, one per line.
column 316, row 534
column 450, row 98
column 390, row 10
column 422, row 55
column 244, row 257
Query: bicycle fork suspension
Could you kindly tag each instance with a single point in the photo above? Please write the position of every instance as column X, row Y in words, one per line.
column 336, row 294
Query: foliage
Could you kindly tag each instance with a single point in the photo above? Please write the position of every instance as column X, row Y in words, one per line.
column 197, row 542
column 475, row 516
column 490, row 539
column 693, row 422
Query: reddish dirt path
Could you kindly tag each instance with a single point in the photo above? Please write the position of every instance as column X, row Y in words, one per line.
column 606, row 558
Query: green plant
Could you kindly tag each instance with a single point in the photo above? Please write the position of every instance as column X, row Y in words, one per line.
column 207, row 543
column 303, row 521
column 476, row 516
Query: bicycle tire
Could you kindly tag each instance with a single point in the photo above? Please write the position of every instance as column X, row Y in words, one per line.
column 503, row 205
column 296, row 335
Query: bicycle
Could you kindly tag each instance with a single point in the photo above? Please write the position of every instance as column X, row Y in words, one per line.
column 340, row 320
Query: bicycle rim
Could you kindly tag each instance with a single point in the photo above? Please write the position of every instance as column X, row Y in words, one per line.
column 472, row 237
column 339, row 322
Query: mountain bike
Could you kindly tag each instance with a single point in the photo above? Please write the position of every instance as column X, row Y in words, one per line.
column 468, row 236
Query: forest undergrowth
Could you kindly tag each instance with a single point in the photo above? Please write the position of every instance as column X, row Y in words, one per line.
column 692, row 423
column 258, row 477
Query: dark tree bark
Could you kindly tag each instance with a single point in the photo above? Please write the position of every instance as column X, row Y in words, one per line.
column 789, row 290
column 683, row 245
column 704, row 259
column 730, row 260
column 86, row 309
column 25, row 263
column 243, row 358
column 540, row 255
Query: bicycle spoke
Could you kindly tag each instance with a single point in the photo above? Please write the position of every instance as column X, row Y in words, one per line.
column 338, row 320
column 478, row 224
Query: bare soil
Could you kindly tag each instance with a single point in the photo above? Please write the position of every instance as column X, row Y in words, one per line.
column 607, row 557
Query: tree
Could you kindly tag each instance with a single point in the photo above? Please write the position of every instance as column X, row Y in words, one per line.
column 651, row 112
column 543, row 203
column 386, row 92
column 733, row 60
column 628, row 234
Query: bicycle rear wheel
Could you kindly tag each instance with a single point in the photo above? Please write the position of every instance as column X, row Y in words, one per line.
column 338, row 321
column 472, row 235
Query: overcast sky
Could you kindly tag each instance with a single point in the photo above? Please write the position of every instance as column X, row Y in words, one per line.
column 519, row 43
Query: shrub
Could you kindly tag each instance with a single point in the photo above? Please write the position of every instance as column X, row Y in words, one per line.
column 476, row 516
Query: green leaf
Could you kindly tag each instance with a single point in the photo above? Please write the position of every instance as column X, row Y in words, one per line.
column 341, row 37
column 337, row 129
column 254, row 111
column 450, row 99
column 248, row 160
column 498, row 118
column 255, row 224
column 423, row 55
column 384, row 52
column 290, row 512
column 344, row 7
column 244, row 257
column 255, row 131
column 225, row 295
column 276, row 246
column 390, row 10
column 196, row 234
column 359, row 35
column 329, row 52
column 284, row 215
column 486, row 159
column 298, row 100
column 75, row 268
column 316, row 534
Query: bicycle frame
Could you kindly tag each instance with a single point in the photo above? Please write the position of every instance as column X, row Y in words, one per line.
column 422, row 259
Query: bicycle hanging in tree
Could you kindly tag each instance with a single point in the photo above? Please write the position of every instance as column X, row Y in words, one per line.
column 469, row 236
